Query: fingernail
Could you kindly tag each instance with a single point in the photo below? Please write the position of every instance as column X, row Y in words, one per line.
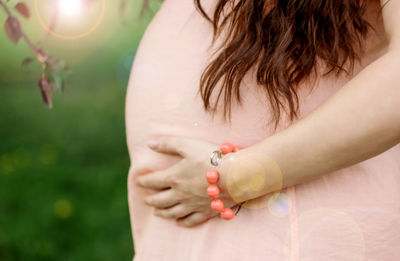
column 153, row 144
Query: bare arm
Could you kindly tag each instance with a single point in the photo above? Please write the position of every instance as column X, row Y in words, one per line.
column 358, row 122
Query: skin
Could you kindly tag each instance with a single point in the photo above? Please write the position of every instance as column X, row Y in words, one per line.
column 358, row 122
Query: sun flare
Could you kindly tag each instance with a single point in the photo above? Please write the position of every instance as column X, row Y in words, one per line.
column 70, row 7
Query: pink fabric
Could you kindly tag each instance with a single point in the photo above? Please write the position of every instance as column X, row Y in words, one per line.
column 350, row 214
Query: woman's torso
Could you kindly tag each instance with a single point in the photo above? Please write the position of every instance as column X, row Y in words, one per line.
column 351, row 214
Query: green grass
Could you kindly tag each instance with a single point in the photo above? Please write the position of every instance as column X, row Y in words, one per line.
column 63, row 172
column 63, row 176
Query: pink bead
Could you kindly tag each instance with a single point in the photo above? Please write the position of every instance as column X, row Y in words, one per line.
column 217, row 205
column 237, row 148
column 226, row 148
column 213, row 191
column 212, row 176
column 227, row 214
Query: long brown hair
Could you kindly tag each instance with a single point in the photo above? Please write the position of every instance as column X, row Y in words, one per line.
column 282, row 40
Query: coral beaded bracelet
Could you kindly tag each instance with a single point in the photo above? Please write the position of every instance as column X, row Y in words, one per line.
column 212, row 177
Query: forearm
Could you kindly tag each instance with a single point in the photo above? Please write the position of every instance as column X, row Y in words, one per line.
column 358, row 122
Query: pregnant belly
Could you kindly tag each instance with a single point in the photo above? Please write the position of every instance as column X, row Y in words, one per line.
column 359, row 203
column 163, row 98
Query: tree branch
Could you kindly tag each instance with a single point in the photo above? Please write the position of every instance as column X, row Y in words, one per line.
column 53, row 21
column 5, row 8
column 35, row 49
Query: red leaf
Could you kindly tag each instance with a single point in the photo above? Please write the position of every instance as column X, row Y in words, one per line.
column 45, row 90
column 13, row 29
column 23, row 9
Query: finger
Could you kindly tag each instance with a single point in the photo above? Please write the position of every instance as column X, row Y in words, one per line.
column 159, row 180
column 175, row 212
column 169, row 145
column 155, row 180
column 193, row 219
column 163, row 199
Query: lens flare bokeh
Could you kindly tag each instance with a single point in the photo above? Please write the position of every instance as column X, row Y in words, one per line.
column 265, row 173
column 70, row 7
column 74, row 18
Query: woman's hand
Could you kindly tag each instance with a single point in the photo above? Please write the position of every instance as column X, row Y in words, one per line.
column 182, row 187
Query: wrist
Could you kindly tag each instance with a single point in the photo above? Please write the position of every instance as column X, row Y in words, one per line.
column 223, row 168
column 213, row 176
column 248, row 174
column 229, row 178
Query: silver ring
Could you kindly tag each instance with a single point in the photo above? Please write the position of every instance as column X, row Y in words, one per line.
column 215, row 161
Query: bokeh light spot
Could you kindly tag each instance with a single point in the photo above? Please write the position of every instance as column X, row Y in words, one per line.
column 128, row 62
column 13, row 160
column 63, row 209
column 123, row 68
column 6, row 164
column 322, row 231
column 279, row 204
column 249, row 175
column 254, row 181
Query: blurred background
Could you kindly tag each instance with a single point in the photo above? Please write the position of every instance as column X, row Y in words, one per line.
column 63, row 170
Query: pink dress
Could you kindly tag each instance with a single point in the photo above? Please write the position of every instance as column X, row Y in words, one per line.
column 350, row 214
